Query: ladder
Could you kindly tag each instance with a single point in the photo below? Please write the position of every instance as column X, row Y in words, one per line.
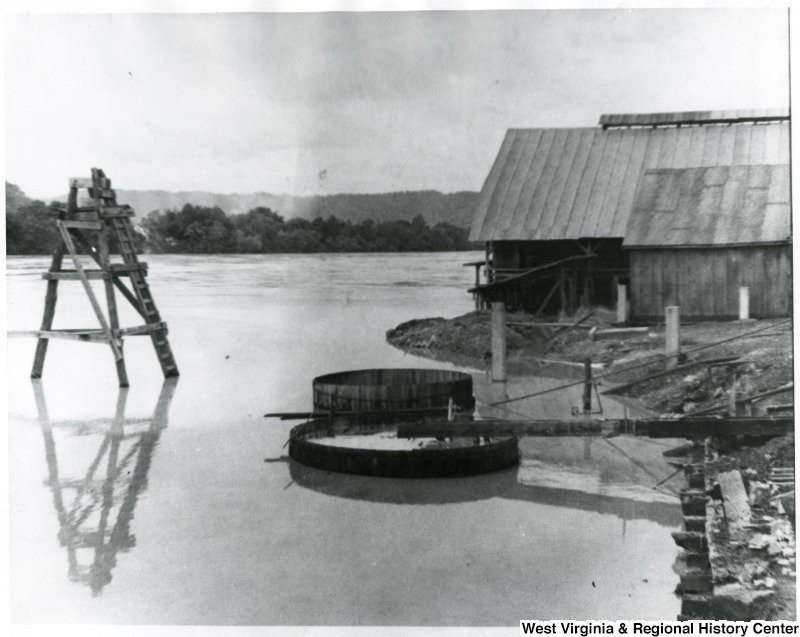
column 96, row 229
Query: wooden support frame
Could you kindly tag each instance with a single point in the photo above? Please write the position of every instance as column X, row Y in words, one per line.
column 103, row 222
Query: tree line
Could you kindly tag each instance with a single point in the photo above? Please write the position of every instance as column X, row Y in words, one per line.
column 209, row 230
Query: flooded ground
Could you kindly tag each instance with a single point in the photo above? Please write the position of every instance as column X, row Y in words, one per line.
column 175, row 504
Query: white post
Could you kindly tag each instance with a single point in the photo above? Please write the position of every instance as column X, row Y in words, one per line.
column 672, row 339
column 622, row 304
column 744, row 303
column 499, row 374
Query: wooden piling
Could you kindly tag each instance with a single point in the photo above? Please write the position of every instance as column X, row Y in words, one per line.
column 622, row 304
column 744, row 303
column 672, row 338
column 587, row 384
column 499, row 368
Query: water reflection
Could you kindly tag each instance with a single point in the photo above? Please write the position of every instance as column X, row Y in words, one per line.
column 95, row 513
column 500, row 484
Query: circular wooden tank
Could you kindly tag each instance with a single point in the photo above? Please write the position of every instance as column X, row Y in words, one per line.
column 438, row 462
column 374, row 397
column 392, row 389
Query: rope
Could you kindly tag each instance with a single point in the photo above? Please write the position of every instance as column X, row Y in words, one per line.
column 645, row 364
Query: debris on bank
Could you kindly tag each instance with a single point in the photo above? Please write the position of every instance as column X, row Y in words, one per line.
column 754, row 363
column 753, row 564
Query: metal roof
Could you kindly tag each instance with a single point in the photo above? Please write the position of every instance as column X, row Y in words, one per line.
column 694, row 117
column 723, row 205
column 572, row 183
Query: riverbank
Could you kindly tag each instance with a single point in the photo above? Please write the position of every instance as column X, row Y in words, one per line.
column 753, row 579
column 759, row 351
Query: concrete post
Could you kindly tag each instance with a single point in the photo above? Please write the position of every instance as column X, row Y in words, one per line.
column 744, row 303
column 672, row 339
column 622, row 303
column 499, row 372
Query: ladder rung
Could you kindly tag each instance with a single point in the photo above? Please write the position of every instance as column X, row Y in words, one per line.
column 72, row 275
column 102, row 193
column 82, row 225
column 124, row 268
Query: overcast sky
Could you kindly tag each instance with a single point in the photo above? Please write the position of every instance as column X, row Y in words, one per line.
column 348, row 102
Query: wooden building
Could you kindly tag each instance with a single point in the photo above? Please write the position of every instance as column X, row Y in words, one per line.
column 696, row 235
column 555, row 208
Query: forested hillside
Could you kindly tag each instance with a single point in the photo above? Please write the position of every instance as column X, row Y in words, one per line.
column 201, row 229
column 435, row 207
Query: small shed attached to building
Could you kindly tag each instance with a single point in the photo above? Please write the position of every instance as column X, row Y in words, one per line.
column 696, row 235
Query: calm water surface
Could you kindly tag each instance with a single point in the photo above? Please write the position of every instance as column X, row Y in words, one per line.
column 189, row 512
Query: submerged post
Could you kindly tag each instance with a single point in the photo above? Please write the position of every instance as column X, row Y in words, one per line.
column 587, row 384
column 622, row 303
column 672, row 338
column 499, row 373
column 744, row 303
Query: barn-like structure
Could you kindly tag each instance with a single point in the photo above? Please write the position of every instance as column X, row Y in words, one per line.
column 567, row 213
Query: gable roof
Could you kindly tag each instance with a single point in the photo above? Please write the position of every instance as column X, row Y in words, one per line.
column 723, row 205
column 572, row 183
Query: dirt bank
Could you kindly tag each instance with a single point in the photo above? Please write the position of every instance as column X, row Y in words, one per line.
column 764, row 358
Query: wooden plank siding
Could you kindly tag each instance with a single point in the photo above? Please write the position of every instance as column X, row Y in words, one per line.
column 705, row 282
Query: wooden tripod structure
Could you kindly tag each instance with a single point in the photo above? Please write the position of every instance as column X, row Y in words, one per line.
column 96, row 229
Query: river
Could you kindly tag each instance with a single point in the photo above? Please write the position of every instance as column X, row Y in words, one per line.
column 207, row 522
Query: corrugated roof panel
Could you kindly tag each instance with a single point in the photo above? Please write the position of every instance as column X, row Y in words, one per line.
column 513, row 178
column 497, row 203
column 576, row 175
column 541, row 146
column 556, row 192
column 550, row 179
column 530, row 141
column 627, row 190
column 580, row 208
column 710, row 206
column 537, row 181
column 481, row 215
column 599, row 186
column 615, row 168
column 541, row 181
column 776, row 222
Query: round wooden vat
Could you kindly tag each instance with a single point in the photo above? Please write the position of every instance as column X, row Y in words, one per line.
column 436, row 462
column 392, row 390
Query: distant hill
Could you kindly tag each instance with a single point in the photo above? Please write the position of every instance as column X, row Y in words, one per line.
column 435, row 207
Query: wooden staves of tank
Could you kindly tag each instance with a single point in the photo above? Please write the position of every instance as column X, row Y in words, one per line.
column 387, row 390
column 374, row 401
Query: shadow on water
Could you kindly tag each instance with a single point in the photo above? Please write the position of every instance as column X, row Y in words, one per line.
column 500, row 484
column 93, row 513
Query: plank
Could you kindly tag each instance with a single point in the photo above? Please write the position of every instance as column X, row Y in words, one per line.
column 734, row 500
column 142, row 329
column 528, row 273
column 102, row 193
column 94, row 336
column 653, row 428
column 83, row 225
column 74, row 275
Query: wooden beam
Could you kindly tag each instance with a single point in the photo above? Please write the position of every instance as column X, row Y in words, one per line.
column 528, row 273
column 652, row 428
column 73, row 275
column 83, row 225
column 142, row 329
column 93, row 336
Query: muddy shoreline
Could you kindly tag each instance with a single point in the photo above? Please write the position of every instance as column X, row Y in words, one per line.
column 751, row 577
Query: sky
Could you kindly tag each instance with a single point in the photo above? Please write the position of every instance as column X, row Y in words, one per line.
column 320, row 103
